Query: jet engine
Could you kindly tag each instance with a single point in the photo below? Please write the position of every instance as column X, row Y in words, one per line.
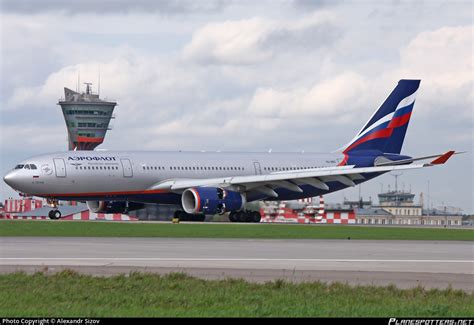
column 211, row 200
column 113, row 206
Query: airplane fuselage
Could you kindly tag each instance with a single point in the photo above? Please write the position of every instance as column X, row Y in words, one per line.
column 123, row 175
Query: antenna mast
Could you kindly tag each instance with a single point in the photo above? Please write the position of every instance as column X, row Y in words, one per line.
column 88, row 88
column 396, row 180
column 98, row 84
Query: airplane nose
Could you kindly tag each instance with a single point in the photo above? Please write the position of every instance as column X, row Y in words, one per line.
column 9, row 178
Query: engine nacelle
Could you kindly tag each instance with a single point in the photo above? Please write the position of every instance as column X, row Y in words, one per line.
column 113, row 206
column 211, row 200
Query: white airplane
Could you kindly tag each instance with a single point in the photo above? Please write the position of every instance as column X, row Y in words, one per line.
column 204, row 183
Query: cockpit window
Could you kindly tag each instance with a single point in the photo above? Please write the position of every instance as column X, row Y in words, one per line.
column 27, row 166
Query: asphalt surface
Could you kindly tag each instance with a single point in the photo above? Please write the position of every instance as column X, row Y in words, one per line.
column 432, row 264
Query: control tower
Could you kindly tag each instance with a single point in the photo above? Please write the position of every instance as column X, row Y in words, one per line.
column 87, row 118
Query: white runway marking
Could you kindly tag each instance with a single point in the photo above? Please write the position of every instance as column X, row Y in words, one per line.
column 223, row 259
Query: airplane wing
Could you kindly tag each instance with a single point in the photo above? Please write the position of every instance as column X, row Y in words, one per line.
column 291, row 179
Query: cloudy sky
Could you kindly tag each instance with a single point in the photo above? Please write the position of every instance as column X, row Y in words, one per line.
column 289, row 75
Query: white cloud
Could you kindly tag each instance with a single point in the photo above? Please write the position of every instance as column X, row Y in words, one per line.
column 443, row 59
column 230, row 42
column 328, row 98
column 254, row 40
column 443, row 55
column 36, row 138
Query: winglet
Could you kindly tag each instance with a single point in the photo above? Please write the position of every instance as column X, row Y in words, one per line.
column 443, row 158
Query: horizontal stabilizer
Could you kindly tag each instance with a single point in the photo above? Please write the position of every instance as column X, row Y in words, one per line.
column 440, row 159
column 443, row 158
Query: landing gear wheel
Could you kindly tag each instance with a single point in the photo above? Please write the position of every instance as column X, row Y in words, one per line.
column 242, row 216
column 54, row 214
column 256, row 217
column 233, row 216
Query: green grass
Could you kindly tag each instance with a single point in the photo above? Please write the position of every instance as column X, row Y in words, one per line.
column 68, row 294
column 269, row 231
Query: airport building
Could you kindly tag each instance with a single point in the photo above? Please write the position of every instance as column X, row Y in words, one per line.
column 399, row 208
column 87, row 118
column 394, row 208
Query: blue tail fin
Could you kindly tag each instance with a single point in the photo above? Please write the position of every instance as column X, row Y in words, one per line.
column 386, row 129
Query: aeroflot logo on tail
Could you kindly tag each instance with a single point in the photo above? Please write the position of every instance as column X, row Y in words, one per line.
column 92, row 158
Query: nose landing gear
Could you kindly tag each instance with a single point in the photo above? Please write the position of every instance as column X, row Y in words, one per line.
column 54, row 214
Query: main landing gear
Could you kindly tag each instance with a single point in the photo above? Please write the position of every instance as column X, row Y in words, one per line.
column 183, row 216
column 54, row 214
column 245, row 216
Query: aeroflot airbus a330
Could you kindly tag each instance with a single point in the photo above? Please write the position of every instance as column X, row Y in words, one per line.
column 204, row 183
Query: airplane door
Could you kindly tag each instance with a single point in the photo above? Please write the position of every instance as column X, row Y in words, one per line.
column 127, row 168
column 60, row 167
column 258, row 169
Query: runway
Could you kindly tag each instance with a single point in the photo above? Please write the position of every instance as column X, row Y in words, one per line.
column 432, row 264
